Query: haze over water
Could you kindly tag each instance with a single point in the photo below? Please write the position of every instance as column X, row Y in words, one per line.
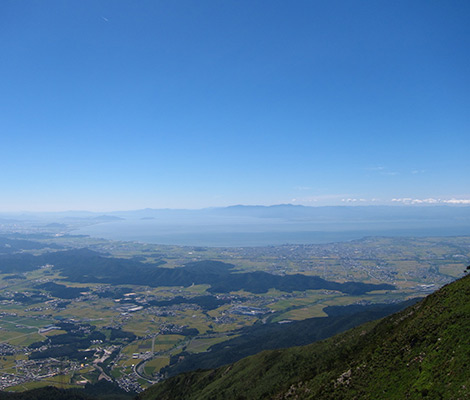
column 229, row 232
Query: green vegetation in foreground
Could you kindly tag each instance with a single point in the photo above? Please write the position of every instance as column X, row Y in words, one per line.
column 420, row 352
column 100, row 391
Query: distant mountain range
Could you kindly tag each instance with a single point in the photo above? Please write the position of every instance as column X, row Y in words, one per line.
column 260, row 211
column 280, row 211
column 301, row 213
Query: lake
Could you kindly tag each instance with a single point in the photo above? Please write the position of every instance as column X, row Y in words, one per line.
column 254, row 233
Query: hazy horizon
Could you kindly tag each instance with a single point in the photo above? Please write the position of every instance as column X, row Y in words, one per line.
column 241, row 225
column 417, row 203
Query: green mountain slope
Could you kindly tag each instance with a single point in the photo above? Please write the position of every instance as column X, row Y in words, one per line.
column 100, row 391
column 420, row 352
column 256, row 338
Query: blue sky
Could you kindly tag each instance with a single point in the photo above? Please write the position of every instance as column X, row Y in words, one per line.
column 112, row 105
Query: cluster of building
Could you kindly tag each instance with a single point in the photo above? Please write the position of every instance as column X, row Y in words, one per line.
column 244, row 310
column 7, row 380
column 7, row 349
column 36, row 370
column 130, row 383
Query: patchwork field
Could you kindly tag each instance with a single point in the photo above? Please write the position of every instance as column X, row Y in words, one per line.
column 130, row 332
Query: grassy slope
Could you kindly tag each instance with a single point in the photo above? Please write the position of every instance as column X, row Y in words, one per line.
column 421, row 352
column 99, row 391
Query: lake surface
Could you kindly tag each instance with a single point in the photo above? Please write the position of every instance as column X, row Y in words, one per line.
column 253, row 233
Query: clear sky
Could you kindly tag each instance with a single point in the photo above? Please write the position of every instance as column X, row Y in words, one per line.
column 112, row 105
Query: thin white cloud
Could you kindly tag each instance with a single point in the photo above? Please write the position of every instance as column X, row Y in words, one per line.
column 409, row 200
column 336, row 199
column 458, row 201
column 382, row 170
column 328, row 198
column 352, row 200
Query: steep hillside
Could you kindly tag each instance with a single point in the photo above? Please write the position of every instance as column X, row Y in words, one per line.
column 420, row 352
column 254, row 339
column 99, row 391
